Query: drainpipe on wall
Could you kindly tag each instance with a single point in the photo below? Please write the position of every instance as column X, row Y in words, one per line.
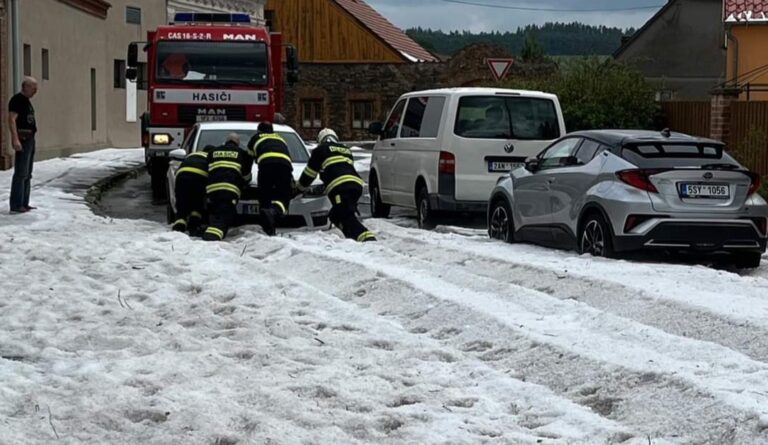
column 732, row 38
column 15, row 45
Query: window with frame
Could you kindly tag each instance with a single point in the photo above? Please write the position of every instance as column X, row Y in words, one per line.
column 45, row 64
column 133, row 15
column 362, row 114
column 422, row 117
column 27, row 60
column 588, row 150
column 501, row 117
column 392, row 126
column 312, row 113
column 557, row 154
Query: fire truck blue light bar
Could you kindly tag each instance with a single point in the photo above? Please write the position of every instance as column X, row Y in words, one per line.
column 197, row 17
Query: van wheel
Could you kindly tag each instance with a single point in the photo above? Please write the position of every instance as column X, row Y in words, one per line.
column 424, row 212
column 500, row 223
column 747, row 260
column 378, row 208
column 595, row 237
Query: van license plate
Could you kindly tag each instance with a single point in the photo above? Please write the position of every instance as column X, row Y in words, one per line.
column 709, row 191
column 502, row 166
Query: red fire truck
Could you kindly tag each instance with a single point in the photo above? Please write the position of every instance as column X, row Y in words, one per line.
column 205, row 67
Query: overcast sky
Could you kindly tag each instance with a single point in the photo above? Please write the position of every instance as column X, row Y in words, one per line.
column 440, row 14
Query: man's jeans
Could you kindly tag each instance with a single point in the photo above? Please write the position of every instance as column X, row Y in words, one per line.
column 22, row 175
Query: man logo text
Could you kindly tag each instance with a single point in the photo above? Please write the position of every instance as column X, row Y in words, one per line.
column 240, row 37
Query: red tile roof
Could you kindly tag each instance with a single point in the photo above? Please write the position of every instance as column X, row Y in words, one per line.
column 746, row 10
column 386, row 31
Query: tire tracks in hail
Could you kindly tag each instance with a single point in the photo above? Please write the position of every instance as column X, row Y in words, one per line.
column 638, row 376
column 636, row 304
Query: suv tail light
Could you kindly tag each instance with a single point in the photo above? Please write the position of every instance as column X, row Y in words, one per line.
column 447, row 163
column 756, row 182
column 639, row 178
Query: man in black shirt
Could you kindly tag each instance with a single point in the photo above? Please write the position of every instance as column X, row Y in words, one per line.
column 22, row 125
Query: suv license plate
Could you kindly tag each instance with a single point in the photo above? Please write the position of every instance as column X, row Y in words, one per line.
column 497, row 166
column 709, row 191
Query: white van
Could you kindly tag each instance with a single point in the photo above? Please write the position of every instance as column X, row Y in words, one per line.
column 443, row 150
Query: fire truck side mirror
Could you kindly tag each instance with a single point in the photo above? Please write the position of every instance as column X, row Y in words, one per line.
column 133, row 55
column 292, row 65
column 131, row 74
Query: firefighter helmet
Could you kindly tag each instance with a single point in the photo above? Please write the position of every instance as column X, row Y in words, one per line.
column 326, row 135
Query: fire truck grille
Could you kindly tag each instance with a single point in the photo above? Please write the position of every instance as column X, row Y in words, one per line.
column 190, row 114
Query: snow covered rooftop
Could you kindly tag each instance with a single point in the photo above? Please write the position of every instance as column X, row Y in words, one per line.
column 746, row 11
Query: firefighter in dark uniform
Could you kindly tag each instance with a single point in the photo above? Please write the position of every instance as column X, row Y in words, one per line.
column 275, row 177
column 190, row 182
column 343, row 185
column 229, row 171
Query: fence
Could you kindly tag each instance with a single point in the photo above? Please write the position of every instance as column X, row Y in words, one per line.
column 749, row 134
column 687, row 117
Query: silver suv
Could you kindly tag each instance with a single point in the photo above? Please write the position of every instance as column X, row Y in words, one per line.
column 609, row 191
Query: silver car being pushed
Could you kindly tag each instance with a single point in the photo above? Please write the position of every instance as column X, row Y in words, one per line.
column 609, row 191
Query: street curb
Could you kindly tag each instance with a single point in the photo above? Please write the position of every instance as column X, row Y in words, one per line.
column 96, row 190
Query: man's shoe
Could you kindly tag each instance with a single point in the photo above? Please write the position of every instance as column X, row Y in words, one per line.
column 28, row 208
column 268, row 221
column 20, row 210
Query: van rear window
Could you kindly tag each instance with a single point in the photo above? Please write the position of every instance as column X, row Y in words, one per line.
column 651, row 155
column 495, row 117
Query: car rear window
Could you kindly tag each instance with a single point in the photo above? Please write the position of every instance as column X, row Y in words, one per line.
column 217, row 137
column 657, row 155
column 502, row 117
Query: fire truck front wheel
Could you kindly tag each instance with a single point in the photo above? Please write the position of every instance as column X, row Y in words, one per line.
column 157, row 171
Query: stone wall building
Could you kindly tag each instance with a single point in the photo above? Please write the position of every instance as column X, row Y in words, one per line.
column 355, row 64
column 348, row 97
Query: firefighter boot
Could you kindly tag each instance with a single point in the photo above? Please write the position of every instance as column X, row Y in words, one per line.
column 268, row 217
column 180, row 225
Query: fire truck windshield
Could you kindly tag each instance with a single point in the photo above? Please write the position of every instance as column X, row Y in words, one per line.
column 212, row 62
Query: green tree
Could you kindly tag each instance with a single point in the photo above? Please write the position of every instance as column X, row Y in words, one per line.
column 557, row 39
column 532, row 49
column 599, row 94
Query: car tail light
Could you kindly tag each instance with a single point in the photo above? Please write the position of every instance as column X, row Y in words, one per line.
column 447, row 163
column 755, row 184
column 639, row 179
